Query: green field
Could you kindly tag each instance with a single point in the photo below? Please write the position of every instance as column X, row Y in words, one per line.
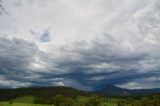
column 29, row 104
column 111, row 101
column 109, row 104
column 29, row 101
column 21, row 104
column 25, row 99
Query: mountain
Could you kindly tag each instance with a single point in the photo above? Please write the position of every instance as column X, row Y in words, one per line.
column 49, row 92
column 42, row 92
column 111, row 90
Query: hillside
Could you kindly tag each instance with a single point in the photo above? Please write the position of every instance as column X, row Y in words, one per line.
column 41, row 92
column 111, row 90
column 49, row 92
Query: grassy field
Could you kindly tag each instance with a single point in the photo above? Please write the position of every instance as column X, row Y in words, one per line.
column 25, row 99
column 29, row 104
column 21, row 104
column 109, row 104
column 107, row 101
column 29, row 101
column 111, row 101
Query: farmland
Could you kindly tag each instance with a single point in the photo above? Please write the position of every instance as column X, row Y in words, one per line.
column 29, row 101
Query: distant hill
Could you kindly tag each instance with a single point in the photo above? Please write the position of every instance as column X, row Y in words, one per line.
column 111, row 90
column 42, row 92
column 49, row 92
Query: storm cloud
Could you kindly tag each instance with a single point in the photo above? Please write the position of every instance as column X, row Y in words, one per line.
column 89, row 43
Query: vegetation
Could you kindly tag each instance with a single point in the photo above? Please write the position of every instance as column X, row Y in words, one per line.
column 25, row 99
column 143, row 101
column 65, row 96
column 60, row 100
column 22, row 104
column 94, row 100
column 44, row 92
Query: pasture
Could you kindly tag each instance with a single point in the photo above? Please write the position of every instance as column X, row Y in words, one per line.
column 29, row 101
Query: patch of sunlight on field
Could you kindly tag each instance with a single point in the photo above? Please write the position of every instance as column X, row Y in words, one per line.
column 25, row 99
column 21, row 104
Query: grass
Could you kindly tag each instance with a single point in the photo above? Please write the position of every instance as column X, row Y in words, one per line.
column 113, row 100
column 30, row 104
column 21, row 104
column 25, row 99
column 107, row 101
column 29, row 101
column 109, row 104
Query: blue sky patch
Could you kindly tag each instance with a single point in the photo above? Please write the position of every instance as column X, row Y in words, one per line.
column 45, row 37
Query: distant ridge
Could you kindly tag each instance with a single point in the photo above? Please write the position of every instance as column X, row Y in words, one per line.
column 112, row 90
column 49, row 92
column 42, row 92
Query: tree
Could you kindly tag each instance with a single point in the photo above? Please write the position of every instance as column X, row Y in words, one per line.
column 155, row 100
column 10, row 102
column 58, row 100
column 145, row 101
column 120, row 104
column 130, row 101
column 42, row 101
column 94, row 101
column 69, row 102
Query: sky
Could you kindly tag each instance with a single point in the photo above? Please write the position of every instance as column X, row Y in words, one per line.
column 85, row 44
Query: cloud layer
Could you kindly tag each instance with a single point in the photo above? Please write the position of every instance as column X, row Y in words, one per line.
column 80, row 43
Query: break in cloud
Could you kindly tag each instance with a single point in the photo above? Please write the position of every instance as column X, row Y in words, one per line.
column 80, row 43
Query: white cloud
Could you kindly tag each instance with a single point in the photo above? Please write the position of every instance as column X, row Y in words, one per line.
column 82, row 36
column 14, row 84
column 60, row 84
column 139, row 85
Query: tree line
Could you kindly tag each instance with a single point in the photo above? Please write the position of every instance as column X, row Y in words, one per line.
column 60, row 100
column 143, row 101
column 41, row 92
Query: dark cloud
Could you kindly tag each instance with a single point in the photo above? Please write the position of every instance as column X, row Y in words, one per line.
column 104, row 58
column 94, row 44
column 84, row 65
column 16, row 54
column 1, row 8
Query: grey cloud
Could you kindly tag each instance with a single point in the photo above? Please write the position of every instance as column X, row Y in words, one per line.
column 124, row 47
column 15, row 56
column 76, row 65
column 16, row 59
column 106, row 58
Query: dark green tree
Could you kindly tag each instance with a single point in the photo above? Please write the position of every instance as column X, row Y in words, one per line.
column 145, row 101
column 94, row 101
column 155, row 100
column 58, row 100
column 10, row 102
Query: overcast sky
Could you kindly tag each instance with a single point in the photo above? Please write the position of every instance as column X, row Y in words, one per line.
column 84, row 44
